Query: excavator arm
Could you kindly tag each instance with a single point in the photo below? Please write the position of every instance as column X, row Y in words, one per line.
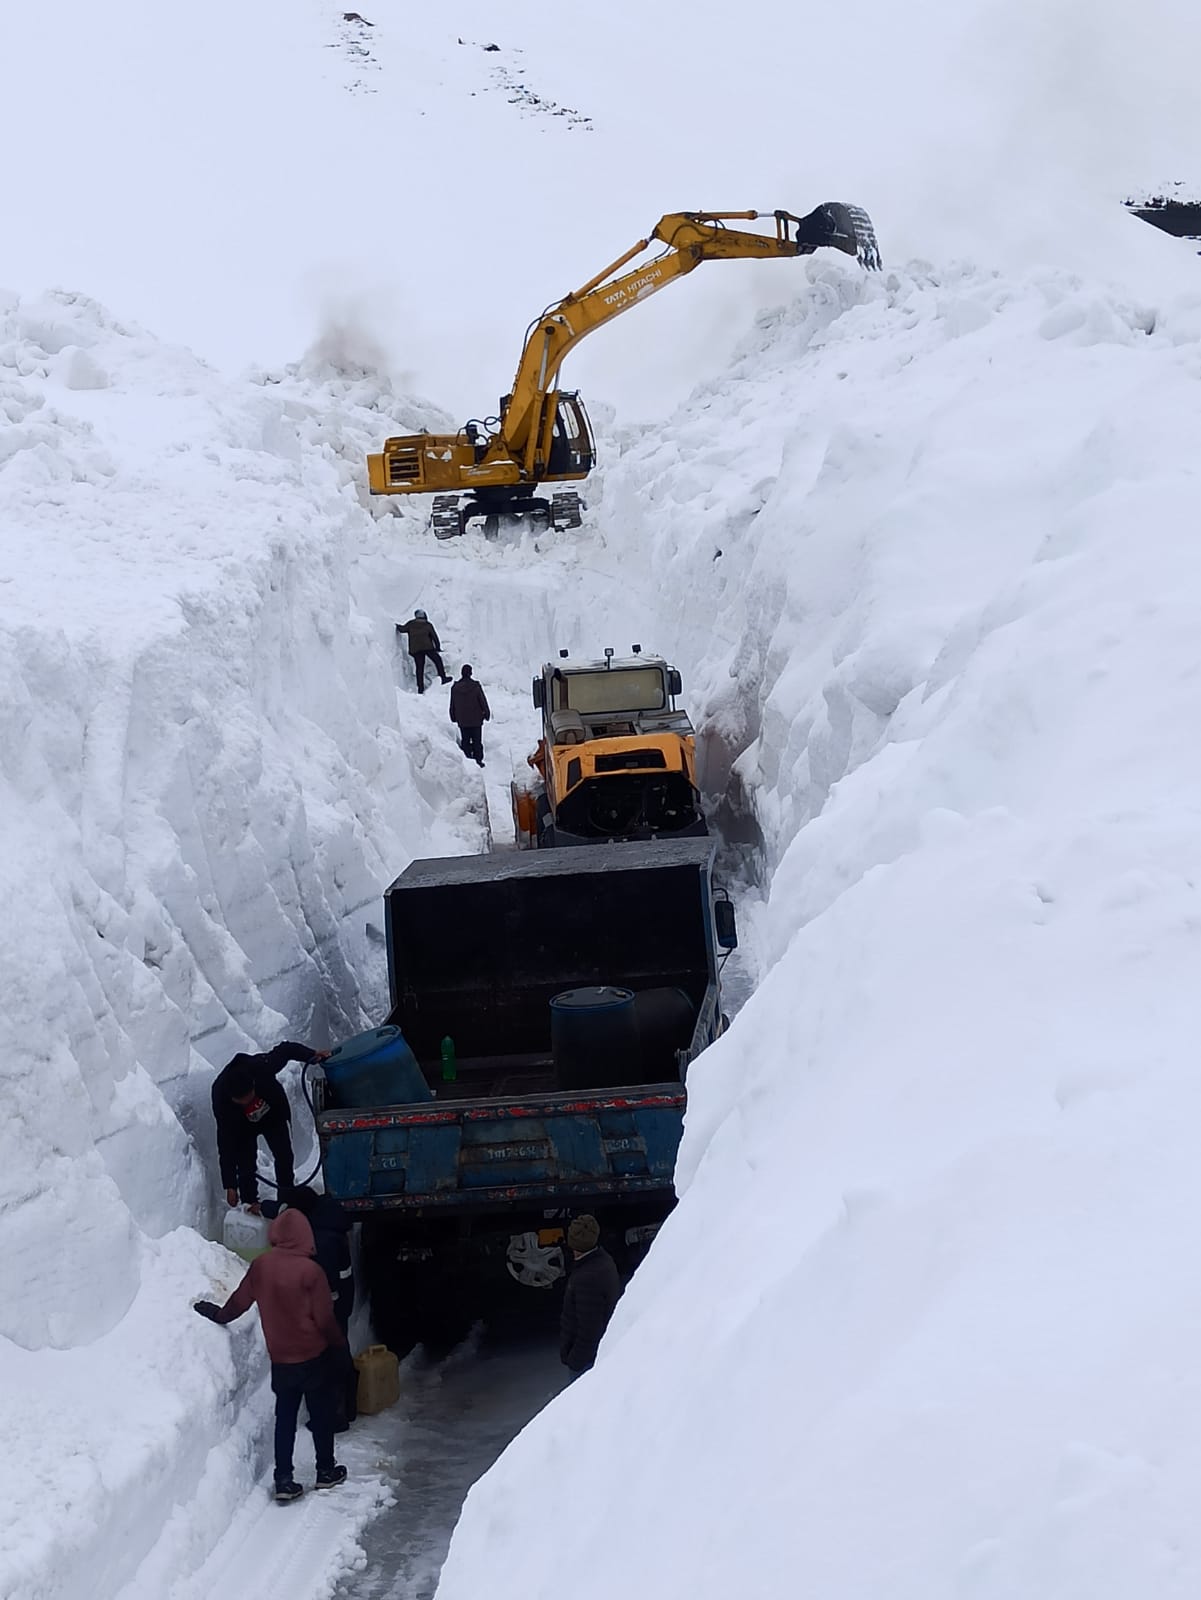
column 542, row 434
column 689, row 237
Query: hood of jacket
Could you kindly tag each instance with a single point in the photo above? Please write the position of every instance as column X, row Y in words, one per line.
column 291, row 1231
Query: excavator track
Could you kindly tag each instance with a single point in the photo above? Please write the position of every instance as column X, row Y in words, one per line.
column 445, row 519
column 566, row 510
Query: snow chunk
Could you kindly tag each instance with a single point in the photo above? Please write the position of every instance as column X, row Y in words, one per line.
column 79, row 370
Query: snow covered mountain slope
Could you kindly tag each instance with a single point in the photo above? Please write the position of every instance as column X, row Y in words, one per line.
column 243, row 178
column 923, row 1322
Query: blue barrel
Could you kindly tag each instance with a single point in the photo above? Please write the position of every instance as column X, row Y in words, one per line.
column 594, row 1038
column 374, row 1069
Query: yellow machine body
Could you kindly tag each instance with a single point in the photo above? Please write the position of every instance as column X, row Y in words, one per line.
column 616, row 760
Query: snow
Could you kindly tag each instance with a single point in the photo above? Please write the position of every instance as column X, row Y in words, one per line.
column 207, row 778
column 920, row 1324
column 923, row 1321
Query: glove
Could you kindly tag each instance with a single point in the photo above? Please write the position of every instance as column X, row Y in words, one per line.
column 206, row 1308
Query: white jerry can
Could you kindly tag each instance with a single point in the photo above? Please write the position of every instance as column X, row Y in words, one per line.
column 244, row 1234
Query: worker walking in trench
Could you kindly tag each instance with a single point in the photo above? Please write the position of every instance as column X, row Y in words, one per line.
column 424, row 645
column 249, row 1101
column 302, row 1335
column 469, row 710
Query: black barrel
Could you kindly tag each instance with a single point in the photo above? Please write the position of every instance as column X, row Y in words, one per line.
column 666, row 1022
column 594, row 1038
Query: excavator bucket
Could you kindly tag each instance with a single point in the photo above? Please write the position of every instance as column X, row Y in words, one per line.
column 834, row 226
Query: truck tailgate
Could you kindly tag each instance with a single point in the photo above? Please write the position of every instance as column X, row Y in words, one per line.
column 552, row 1149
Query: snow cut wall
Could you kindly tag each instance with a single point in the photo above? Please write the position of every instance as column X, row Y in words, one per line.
column 924, row 1322
column 203, row 787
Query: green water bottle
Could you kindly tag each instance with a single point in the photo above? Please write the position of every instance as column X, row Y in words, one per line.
column 450, row 1070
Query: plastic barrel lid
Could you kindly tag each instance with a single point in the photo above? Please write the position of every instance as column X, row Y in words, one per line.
column 600, row 997
column 364, row 1044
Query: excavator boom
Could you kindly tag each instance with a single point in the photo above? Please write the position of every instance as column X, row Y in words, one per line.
column 542, row 434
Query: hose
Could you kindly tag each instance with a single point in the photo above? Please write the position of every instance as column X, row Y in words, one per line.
column 308, row 1096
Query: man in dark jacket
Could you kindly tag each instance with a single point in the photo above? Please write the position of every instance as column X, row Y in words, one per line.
column 297, row 1312
column 331, row 1226
column 593, row 1290
column 423, row 643
column 469, row 710
column 249, row 1100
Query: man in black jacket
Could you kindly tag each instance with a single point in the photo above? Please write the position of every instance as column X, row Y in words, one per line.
column 470, row 710
column 593, row 1290
column 249, row 1100
column 423, row 642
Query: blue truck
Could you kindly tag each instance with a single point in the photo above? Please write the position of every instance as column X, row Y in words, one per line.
column 550, row 1004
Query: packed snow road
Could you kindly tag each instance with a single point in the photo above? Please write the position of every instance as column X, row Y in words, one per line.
column 454, row 1419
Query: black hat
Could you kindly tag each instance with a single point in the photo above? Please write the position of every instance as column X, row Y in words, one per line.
column 239, row 1076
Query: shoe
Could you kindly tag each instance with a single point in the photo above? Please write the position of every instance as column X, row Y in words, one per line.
column 285, row 1492
column 331, row 1478
column 446, row 680
column 479, row 762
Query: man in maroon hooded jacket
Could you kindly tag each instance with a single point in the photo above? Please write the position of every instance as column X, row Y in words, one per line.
column 297, row 1312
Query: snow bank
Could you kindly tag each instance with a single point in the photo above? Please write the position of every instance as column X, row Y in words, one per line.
column 204, row 784
column 922, row 1323
column 207, row 778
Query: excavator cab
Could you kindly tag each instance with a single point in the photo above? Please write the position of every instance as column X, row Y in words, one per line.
column 572, row 447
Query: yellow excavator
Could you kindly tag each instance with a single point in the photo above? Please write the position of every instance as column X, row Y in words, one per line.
column 493, row 465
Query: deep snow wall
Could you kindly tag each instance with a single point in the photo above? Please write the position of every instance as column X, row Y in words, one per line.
column 204, row 786
column 919, row 1324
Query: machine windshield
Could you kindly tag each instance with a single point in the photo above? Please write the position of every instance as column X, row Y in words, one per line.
column 631, row 689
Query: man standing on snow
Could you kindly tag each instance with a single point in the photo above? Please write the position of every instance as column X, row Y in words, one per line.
column 331, row 1224
column 469, row 709
column 249, row 1100
column 423, row 641
column 297, row 1312
column 593, row 1290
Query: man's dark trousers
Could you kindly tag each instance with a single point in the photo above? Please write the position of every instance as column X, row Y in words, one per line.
column 279, row 1142
column 473, row 745
column 419, row 659
column 292, row 1382
column 346, row 1374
